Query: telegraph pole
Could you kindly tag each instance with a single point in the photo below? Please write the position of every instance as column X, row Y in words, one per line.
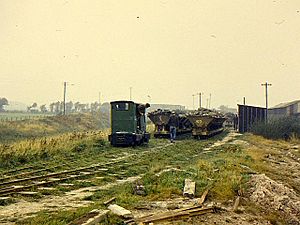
column 65, row 95
column 65, row 91
column 209, row 100
column 266, row 88
column 200, row 99
column 99, row 98
column 193, row 102
column 130, row 93
column 244, row 100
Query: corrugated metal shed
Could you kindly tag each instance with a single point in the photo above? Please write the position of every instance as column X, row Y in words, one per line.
column 286, row 104
column 285, row 109
column 248, row 115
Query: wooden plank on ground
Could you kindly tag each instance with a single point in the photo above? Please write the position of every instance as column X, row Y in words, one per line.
column 120, row 211
column 236, row 204
column 184, row 212
column 189, row 188
column 202, row 199
column 109, row 200
column 92, row 218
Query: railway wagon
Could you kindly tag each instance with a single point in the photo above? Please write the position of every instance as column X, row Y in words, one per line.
column 206, row 123
column 128, row 123
column 160, row 118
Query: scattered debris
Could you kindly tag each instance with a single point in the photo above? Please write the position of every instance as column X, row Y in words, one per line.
column 189, row 188
column 139, row 190
column 236, row 204
column 178, row 213
column 120, row 211
column 109, row 201
column 202, row 199
column 92, row 218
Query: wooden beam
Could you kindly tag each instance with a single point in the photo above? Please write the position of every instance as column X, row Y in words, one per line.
column 109, row 201
column 184, row 212
column 236, row 204
column 120, row 211
column 202, row 199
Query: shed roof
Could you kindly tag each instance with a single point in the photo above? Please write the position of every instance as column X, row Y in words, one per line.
column 286, row 104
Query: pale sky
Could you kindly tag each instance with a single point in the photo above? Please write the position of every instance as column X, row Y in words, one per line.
column 166, row 49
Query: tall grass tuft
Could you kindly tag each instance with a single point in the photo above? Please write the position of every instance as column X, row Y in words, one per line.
column 27, row 151
column 280, row 128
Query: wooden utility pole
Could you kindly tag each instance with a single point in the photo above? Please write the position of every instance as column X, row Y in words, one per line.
column 65, row 91
column 130, row 93
column 193, row 102
column 200, row 99
column 266, row 90
column 65, row 96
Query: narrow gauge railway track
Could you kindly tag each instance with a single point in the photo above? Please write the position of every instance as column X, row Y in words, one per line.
column 45, row 181
column 17, row 170
column 28, row 173
column 27, row 183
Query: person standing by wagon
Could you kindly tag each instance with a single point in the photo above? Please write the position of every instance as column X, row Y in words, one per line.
column 235, row 122
column 173, row 123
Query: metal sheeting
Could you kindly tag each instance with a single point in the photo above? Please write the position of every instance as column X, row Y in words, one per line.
column 249, row 115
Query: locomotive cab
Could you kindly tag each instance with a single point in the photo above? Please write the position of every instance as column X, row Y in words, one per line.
column 128, row 123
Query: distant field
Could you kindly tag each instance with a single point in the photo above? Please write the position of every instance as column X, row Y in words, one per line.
column 18, row 126
column 13, row 116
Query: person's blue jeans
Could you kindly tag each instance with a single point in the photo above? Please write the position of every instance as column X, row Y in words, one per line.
column 172, row 133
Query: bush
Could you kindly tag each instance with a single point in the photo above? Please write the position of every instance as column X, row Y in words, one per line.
column 281, row 128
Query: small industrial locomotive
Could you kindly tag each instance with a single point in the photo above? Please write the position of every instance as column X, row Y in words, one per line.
column 128, row 123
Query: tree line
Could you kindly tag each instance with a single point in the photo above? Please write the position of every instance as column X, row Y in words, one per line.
column 58, row 107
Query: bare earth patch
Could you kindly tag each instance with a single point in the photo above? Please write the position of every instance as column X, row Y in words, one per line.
column 272, row 195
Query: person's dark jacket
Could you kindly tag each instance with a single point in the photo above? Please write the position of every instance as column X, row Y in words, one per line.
column 173, row 121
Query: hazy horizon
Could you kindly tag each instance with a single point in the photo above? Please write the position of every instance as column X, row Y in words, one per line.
column 168, row 50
